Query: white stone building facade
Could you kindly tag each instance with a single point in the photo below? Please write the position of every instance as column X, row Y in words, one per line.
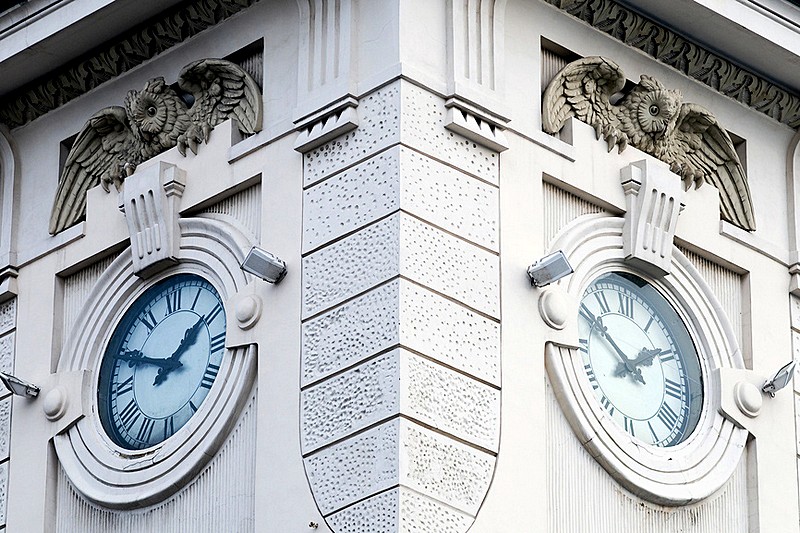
column 405, row 375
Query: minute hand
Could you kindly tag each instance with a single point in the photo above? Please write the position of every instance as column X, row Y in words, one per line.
column 626, row 364
column 135, row 357
column 189, row 339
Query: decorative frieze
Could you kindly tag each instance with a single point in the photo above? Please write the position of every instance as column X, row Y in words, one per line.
column 116, row 57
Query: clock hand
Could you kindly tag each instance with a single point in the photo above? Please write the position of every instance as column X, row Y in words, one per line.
column 189, row 338
column 626, row 364
column 136, row 357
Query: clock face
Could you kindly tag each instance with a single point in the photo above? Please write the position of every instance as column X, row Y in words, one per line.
column 639, row 359
column 161, row 362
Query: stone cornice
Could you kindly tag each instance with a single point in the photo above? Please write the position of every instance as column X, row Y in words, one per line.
column 689, row 58
column 115, row 57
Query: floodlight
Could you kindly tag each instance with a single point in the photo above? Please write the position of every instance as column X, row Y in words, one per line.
column 19, row 387
column 263, row 264
column 781, row 378
column 549, row 268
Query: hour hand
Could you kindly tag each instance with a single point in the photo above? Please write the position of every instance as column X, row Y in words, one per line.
column 136, row 357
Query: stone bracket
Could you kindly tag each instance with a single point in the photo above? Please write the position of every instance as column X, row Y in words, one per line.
column 243, row 310
column 654, row 199
column 334, row 120
column 476, row 125
column 66, row 399
column 150, row 200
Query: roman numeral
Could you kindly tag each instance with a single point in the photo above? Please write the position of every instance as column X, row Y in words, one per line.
column 656, row 438
column 209, row 318
column 649, row 323
column 601, row 299
column 629, row 426
column 666, row 356
column 196, row 297
column 146, row 430
column 591, row 376
column 625, row 305
column 667, row 415
column 607, row 405
column 173, row 301
column 584, row 345
column 129, row 415
column 672, row 388
column 124, row 387
column 217, row 342
column 209, row 376
column 151, row 323
column 169, row 427
column 192, row 406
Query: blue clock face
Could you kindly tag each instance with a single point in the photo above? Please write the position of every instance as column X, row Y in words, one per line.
column 161, row 362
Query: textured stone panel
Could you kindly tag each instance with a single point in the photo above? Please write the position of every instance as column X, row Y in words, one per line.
column 7, row 353
column 351, row 266
column 5, row 427
column 378, row 128
column 378, row 514
column 422, row 320
column 3, row 492
column 794, row 308
column 450, row 265
column 424, row 116
column 399, row 511
column 351, row 199
column 419, row 514
column 356, row 468
column 450, row 402
column 401, row 245
column 796, row 357
column 444, row 469
column 360, row 328
column 449, row 332
column 450, row 199
column 372, row 189
column 8, row 315
column 394, row 383
column 355, row 399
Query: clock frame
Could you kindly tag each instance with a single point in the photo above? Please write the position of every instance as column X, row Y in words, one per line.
column 99, row 468
column 700, row 464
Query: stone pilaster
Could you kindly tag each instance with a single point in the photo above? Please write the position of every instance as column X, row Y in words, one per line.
column 400, row 385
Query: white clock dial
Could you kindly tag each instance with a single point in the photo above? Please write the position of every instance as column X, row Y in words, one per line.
column 639, row 359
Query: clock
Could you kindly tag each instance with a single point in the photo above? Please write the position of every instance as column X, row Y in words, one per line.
column 639, row 359
column 160, row 374
column 161, row 362
column 634, row 359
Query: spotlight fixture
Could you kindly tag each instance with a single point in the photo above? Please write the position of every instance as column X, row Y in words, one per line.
column 781, row 378
column 263, row 264
column 19, row 387
column 549, row 268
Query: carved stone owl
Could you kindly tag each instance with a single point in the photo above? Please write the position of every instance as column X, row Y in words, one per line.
column 653, row 119
column 115, row 140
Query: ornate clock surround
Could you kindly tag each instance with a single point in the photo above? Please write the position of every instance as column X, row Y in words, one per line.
column 703, row 463
column 106, row 473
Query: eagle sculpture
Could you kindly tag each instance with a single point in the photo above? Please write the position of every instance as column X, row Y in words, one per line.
column 653, row 119
column 117, row 139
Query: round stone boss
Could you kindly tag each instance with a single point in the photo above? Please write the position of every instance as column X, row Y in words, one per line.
column 696, row 463
column 117, row 476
